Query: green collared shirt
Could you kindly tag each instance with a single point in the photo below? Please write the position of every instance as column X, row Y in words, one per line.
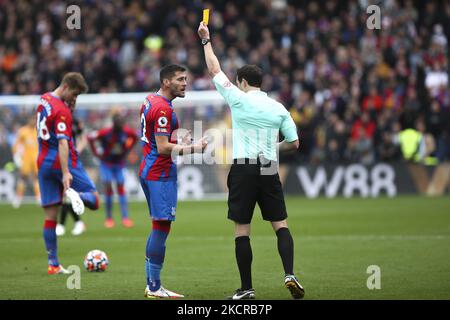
column 256, row 120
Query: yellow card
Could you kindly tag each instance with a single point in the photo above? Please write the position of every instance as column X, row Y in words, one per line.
column 205, row 16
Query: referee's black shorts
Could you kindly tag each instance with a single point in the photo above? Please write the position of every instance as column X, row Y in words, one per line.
column 247, row 187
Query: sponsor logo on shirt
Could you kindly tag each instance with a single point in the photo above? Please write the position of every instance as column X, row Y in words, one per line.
column 226, row 84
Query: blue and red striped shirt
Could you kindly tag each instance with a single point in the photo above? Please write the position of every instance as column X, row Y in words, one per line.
column 157, row 119
column 113, row 145
column 54, row 122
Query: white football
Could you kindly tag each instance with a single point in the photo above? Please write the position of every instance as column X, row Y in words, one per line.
column 96, row 260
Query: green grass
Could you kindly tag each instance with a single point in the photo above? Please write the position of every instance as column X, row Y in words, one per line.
column 335, row 241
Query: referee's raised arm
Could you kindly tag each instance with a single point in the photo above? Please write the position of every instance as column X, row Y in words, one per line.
column 231, row 93
column 211, row 60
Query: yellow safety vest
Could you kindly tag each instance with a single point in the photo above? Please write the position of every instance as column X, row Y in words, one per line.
column 410, row 143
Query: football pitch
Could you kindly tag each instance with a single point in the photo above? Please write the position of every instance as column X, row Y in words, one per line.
column 336, row 241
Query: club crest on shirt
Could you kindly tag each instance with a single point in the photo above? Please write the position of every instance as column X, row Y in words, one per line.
column 162, row 121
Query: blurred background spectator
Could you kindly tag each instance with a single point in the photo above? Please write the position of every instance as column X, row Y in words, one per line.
column 351, row 90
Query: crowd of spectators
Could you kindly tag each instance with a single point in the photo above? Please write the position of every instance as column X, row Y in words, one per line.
column 349, row 88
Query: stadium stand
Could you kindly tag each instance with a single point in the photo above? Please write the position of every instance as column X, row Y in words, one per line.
column 351, row 90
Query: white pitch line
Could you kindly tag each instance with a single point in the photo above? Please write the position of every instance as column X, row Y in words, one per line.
column 220, row 238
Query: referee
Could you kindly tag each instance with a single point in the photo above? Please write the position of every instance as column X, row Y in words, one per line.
column 253, row 178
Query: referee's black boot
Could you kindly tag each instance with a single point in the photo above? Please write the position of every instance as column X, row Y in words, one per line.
column 243, row 294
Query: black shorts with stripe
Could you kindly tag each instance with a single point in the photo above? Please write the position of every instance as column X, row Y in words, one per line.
column 247, row 186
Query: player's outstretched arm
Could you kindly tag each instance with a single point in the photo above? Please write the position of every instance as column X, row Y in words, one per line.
column 167, row 148
column 211, row 60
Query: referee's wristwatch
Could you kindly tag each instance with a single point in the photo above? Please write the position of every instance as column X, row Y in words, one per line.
column 205, row 41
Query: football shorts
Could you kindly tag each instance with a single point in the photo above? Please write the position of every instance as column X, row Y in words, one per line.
column 161, row 198
column 247, row 187
column 109, row 172
column 29, row 166
column 51, row 187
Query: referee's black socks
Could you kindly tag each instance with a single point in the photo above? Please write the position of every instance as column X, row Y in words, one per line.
column 244, row 259
column 286, row 249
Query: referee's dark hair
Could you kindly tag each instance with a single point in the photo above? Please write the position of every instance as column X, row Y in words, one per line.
column 167, row 72
column 252, row 73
